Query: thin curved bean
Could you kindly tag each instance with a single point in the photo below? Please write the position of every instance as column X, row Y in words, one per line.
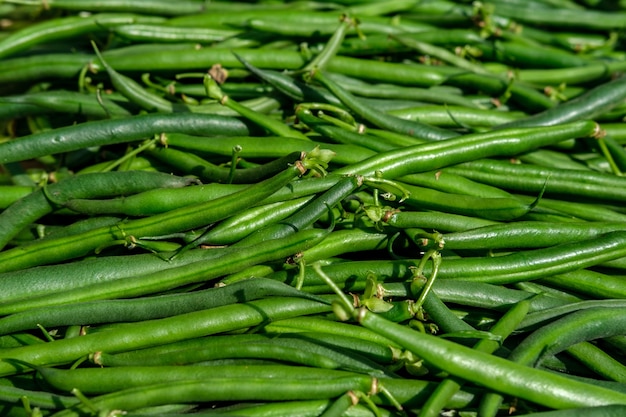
column 432, row 156
column 382, row 120
column 589, row 105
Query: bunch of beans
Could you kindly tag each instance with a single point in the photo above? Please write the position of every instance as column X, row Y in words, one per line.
column 312, row 208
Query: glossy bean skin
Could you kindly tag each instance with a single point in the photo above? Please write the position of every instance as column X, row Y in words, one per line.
column 230, row 390
column 45, row 102
column 233, row 260
column 110, row 380
column 498, row 374
column 149, row 333
column 595, row 185
column 527, row 234
column 64, row 28
column 173, row 221
column 43, row 201
column 431, row 156
column 147, row 308
column 107, row 132
column 589, row 105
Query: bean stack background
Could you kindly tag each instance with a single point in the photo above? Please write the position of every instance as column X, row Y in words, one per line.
column 346, row 208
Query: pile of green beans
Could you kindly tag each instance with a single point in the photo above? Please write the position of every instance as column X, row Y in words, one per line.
column 312, row 208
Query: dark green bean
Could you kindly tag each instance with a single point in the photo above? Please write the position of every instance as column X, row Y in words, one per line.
column 382, row 120
column 234, row 260
column 182, row 219
column 191, row 164
column 160, row 331
column 306, row 215
column 154, row 201
column 40, row 399
column 64, row 28
column 249, row 389
column 432, row 156
column 535, row 179
column 147, row 308
column 60, row 101
column 589, row 105
column 155, row 7
column 107, row 132
column 112, row 378
column 527, row 234
column 495, row 373
column 499, row 208
column 43, row 201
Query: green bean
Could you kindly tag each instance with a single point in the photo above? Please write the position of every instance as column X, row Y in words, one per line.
column 530, row 178
column 591, row 283
column 527, row 234
column 154, row 201
column 456, row 116
column 104, row 380
column 598, row 361
column 107, row 132
column 133, row 91
column 160, row 331
column 229, row 390
column 54, row 101
column 236, row 259
column 581, row 325
column 162, row 33
column 391, row 91
column 185, row 218
column 191, row 164
column 442, row 222
column 9, row 194
column 283, row 349
column 40, row 399
column 316, row 324
column 503, row 328
column 65, row 27
column 572, row 76
column 250, row 221
column 587, row 19
column 43, row 201
column 432, row 156
column 527, row 55
column 306, row 215
column 392, row 123
column 255, row 147
column 495, row 373
column 147, row 308
column 598, row 411
column 525, row 96
column 497, row 208
column 154, row 7
column 589, row 105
